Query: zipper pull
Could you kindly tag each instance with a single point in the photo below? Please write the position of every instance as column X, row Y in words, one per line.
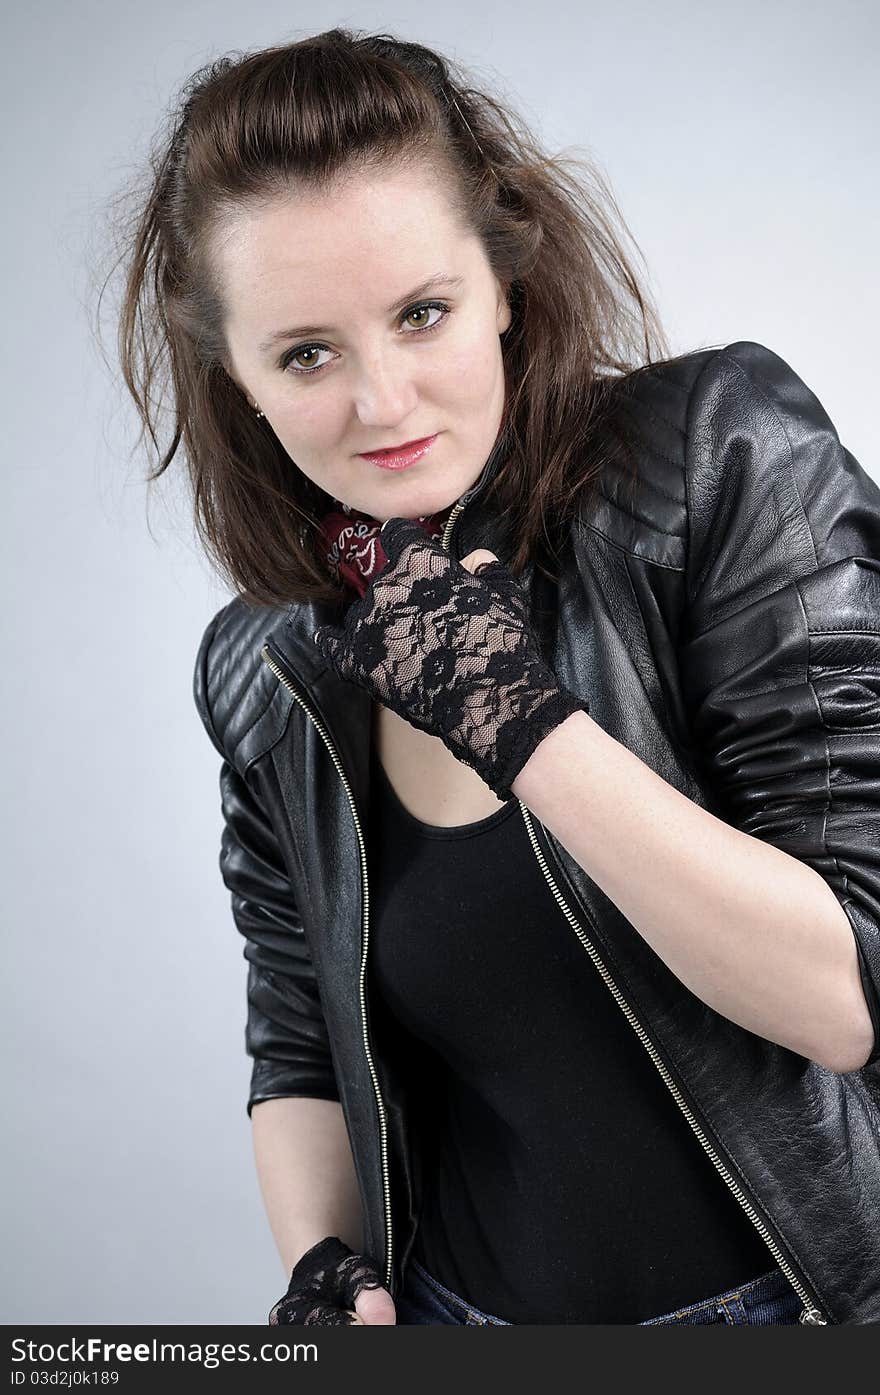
column 813, row 1317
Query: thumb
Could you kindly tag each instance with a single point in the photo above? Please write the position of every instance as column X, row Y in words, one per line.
column 375, row 1306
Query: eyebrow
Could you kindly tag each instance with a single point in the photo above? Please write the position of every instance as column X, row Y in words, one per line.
column 281, row 336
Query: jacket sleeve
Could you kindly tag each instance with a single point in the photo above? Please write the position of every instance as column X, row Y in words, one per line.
column 285, row 1032
column 780, row 656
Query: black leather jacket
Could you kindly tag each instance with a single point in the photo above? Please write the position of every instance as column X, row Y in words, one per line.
column 720, row 611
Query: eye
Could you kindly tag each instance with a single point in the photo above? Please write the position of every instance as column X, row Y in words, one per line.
column 431, row 305
column 304, row 349
column 300, row 371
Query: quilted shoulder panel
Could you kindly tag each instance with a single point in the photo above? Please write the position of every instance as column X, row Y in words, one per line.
column 243, row 706
column 639, row 501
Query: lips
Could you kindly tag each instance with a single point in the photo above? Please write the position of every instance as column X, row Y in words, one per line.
column 401, row 456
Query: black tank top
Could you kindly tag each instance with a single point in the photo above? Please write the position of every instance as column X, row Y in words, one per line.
column 561, row 1183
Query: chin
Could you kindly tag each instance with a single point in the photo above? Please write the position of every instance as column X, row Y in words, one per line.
column 429, row 496
column 417, row 504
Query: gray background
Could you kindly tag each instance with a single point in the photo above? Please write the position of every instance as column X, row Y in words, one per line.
column 741, row 143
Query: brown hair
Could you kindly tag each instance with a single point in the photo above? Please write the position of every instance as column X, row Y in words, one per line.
column 248, row 128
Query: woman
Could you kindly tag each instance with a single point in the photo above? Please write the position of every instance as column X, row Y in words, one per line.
column 547, row 709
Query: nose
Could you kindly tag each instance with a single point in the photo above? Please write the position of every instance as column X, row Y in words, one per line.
column 385, row 394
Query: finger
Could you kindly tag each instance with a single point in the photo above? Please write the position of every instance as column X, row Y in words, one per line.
column 396, row 533
column 363, row 1290
column 492, row 569
column 375, row 1306
column 305, row 1312
column 329, row 1315
column 479, row 557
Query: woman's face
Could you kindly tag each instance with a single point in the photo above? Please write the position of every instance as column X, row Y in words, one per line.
column 338, row 284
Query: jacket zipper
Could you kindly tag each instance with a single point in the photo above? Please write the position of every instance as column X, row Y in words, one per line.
column 275, row 664
column 812, row 1313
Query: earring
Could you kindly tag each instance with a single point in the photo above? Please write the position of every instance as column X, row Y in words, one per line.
column 258, row 411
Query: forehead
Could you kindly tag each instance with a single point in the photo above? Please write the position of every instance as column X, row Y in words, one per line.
column 370, row 228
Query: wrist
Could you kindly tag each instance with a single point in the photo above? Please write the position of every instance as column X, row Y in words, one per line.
column 517, row 740
column 538, row 767
column 305, row 1241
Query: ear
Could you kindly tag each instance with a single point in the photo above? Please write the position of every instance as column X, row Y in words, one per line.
column 505, row 314
column 226, row 364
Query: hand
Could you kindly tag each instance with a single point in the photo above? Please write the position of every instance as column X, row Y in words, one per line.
column 331, row 1286
column 452, row 651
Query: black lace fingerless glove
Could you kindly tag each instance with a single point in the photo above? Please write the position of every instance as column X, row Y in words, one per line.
column 454, row 653
column 323, row 1286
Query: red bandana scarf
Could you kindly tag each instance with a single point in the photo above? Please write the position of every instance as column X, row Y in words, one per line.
column 349, row 543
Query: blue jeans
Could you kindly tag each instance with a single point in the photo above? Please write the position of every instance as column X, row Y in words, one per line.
column 769, row 1300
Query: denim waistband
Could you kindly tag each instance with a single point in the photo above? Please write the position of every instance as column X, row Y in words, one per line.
column 768, row 1299
column 436, row 1299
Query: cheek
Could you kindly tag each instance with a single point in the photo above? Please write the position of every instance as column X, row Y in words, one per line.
column 474, row 371
column 308, row 420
